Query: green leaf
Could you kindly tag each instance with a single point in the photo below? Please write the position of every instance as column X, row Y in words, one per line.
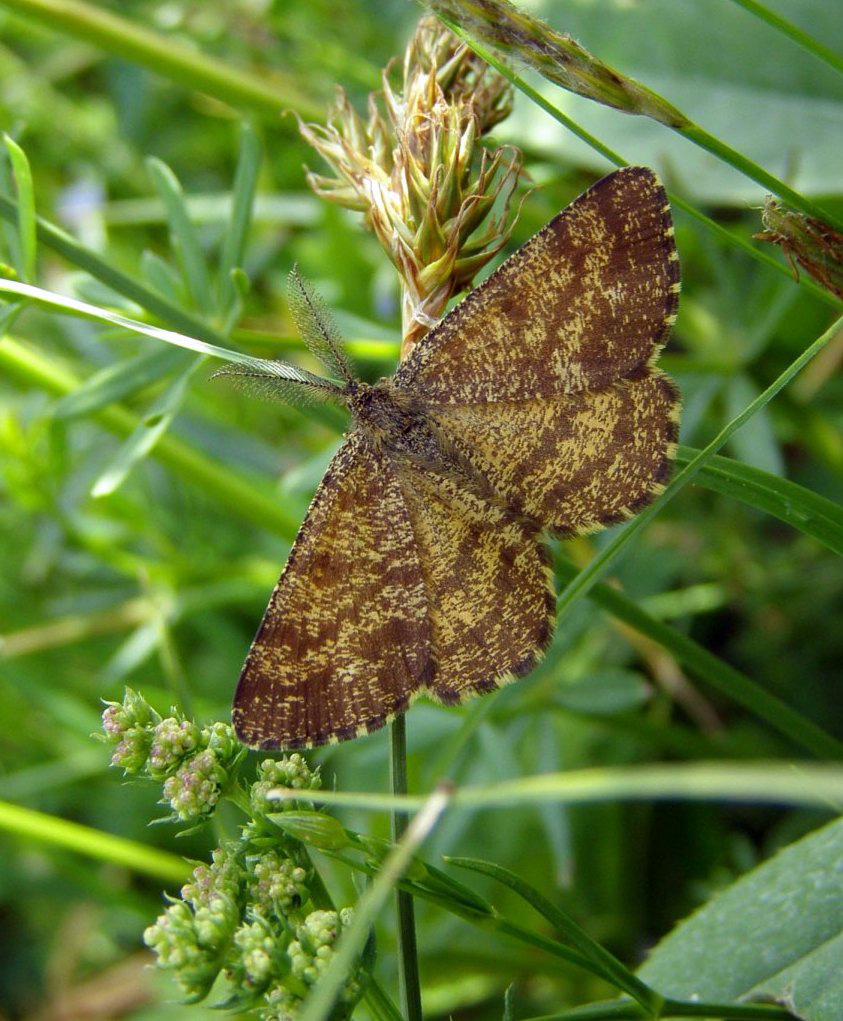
column 124, row 378
column 26, row 209
column 183, row 236
column 755, row 443
column 802, row 508
column 777, row 931
column 160, row 275
column 604, row 692
column 243, row 197
column 146, row 435
column 603, row 963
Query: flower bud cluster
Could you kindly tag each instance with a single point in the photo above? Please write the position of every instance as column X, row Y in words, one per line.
column 416, row 170
column 195, row 764
column 292, row 772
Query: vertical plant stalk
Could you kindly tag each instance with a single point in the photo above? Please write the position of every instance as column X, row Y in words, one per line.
column 408, row 957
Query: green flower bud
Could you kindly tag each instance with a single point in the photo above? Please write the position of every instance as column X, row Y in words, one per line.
column 132, row 753
column 277, row 883
column 195, row 788
column 133, row 712
column 172, row 741
column 222, row 877
column 312, row 949
column 292, row 772
column 175, row 941
column 257, row 949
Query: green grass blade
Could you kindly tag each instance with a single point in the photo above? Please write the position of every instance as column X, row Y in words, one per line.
column 607, row 965
column 580, row 585
column 320, row 1002
column 72, row 836
column 183, row 236
column 240, row 495
column 123, row 379
column 713, row 671
column 243, row 197
column 27, row 242
column 142, row 442
column 796, row 505
column 192, row 68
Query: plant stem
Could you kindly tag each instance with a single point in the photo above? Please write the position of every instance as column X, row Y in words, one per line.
column 408, row 958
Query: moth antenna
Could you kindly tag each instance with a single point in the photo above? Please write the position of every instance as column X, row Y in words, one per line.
column 316, row 326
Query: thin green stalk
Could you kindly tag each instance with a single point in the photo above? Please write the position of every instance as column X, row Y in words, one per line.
column 714, row 671
column 580, row 585
column 674, row 119
column 793, row 32
column 771, row 783
column 408, row 957
column 593, row 142
column 195, row 69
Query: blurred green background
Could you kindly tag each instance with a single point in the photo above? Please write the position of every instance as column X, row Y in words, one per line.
column 159, row 586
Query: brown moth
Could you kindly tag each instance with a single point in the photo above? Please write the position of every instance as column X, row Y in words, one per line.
column 535, row 405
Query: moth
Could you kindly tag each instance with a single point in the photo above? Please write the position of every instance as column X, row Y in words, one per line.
column 533, row 408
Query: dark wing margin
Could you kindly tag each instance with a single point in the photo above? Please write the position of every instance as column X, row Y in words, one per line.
column 345, row 641
column 584, row 302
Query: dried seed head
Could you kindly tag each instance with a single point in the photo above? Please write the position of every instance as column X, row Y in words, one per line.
column 815, row 246
column 416, row 170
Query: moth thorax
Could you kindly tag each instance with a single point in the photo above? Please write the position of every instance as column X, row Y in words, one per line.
column 376, row 409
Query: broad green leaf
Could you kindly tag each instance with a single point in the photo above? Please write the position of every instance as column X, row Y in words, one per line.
column 777, row 931
column 607, row 691
column 785, row 111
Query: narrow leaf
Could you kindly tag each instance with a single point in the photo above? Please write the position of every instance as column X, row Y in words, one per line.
column 604, row 964
column 26, row 208
column 126, row 377
column 243, row 197
column 145, row 436
column 796, row 505
column 183, row 236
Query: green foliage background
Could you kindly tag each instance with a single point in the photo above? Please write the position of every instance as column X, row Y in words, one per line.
column 161, row 583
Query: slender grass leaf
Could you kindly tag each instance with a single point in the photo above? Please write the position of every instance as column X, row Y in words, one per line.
column 604, row 964
column 120, row 380
column 755, row 443
column 158, row 273
column 27, row 242
column 72, row 836
column 580, row 585
column 243, row 197
column 714, row 671
column 811, row 513
column 183, row 235
column 143, row 439
column 70, row 306
column 321, row 1000
column 776, row 932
